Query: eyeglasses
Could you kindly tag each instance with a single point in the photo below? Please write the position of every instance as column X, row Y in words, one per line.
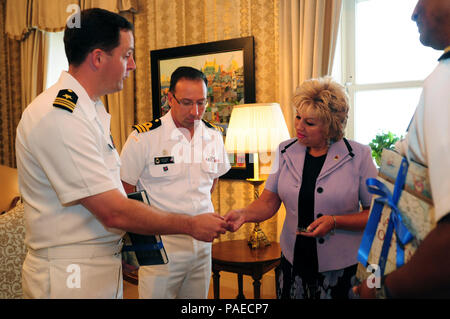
column 189, row 103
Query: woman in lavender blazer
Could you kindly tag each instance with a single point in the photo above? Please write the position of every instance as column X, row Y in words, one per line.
column 320, row 177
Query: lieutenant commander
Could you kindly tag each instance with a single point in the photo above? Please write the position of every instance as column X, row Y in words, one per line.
column 76, row 210
column 177, row 160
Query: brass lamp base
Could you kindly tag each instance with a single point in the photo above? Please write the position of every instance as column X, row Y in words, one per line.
column 257, row 238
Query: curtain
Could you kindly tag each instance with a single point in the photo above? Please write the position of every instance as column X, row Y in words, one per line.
column 10, row 93
column 51, row 15
column 308, row 35
column 33, row 56
column 121, row 105
column 16, row 18
column 111, row 5
column 162, row 24
column 28, row 21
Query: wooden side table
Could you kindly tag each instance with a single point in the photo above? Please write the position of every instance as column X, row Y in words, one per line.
column 131, row 276
column 236, row 256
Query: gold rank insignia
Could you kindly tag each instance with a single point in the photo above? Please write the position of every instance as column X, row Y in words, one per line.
column 66, row 100
column 148, row 126
column 217, row 128
column 446, row 54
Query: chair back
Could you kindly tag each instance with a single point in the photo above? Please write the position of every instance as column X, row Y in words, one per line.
column 9, row 188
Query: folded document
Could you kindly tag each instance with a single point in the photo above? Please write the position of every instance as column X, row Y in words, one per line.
column 143, row 250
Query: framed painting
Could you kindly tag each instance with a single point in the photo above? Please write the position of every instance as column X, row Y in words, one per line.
column 229, row 68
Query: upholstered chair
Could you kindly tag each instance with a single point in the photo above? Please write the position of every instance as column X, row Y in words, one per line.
column 12, row 234
column 9, row 187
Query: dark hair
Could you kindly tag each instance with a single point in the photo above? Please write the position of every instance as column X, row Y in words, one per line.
column 99, row 29
column 188, row 73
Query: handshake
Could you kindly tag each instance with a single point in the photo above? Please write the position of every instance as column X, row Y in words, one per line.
column 208, row 226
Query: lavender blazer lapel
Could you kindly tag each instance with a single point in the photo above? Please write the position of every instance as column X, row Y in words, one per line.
column 294, row 156
column 338, row 154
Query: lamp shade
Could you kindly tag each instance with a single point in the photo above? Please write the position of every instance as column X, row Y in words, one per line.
column 256, row 128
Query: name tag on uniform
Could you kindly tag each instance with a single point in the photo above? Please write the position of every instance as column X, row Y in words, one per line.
column 164, row 160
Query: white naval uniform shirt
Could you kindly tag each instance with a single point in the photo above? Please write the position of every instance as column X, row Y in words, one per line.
column 183, row 186
column 178, row 175
column 63, row 157
column 428, row 138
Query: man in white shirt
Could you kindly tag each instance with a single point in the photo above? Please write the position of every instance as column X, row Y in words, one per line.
column 427, row 274
column 177, row 159
column 76, row 210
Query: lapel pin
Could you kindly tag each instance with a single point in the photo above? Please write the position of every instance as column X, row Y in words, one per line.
column 336, row 157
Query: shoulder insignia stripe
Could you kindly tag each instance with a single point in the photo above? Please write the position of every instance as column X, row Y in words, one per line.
column 66, row 100
column 215, row 127
column 148, row 126
column 63, row 106
column 445, row 56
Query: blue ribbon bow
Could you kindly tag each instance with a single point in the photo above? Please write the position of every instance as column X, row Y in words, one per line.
column 395, row 220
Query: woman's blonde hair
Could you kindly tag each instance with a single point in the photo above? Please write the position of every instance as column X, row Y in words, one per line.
column 327, row 100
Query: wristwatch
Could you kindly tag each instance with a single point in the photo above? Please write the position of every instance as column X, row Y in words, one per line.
column 383, row 291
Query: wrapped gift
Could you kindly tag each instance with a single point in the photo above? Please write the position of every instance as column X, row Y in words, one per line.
column 401, row 215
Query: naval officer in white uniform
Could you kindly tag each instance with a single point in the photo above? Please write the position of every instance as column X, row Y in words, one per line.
column 427, row 274
column 177, row 160
column 69, row 173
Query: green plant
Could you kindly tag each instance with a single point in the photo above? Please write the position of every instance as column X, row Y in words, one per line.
column 382, row 140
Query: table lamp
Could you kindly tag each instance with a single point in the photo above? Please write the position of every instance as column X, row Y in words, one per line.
column 256, row 128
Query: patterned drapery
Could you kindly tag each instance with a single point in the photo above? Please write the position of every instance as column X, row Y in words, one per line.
column 10, row 93
column 24, row 47
column 162, row 24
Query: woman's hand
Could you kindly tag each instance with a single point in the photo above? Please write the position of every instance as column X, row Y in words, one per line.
column 320, row 227
column 235, row 218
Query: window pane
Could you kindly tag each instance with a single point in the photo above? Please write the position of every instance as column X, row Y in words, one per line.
column 336, row 71
column 387, row 43
column 57, row 60
column 384, row 110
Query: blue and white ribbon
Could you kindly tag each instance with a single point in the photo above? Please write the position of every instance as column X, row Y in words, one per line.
column 395, row 220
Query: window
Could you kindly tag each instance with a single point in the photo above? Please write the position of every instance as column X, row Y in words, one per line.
column 57, row 60
column 382, row 63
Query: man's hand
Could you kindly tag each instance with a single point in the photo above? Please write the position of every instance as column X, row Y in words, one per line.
column 206, row 227
column 235, row 219
column 363, row 291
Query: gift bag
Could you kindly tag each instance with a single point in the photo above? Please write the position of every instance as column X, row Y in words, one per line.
column 401, row 216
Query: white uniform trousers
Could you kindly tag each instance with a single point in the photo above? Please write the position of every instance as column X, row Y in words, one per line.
column 73, row 271
column 187, row 275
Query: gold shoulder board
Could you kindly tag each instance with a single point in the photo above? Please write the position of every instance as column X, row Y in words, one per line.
column 66, row 100
column 148, row 126
column 215, row 127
